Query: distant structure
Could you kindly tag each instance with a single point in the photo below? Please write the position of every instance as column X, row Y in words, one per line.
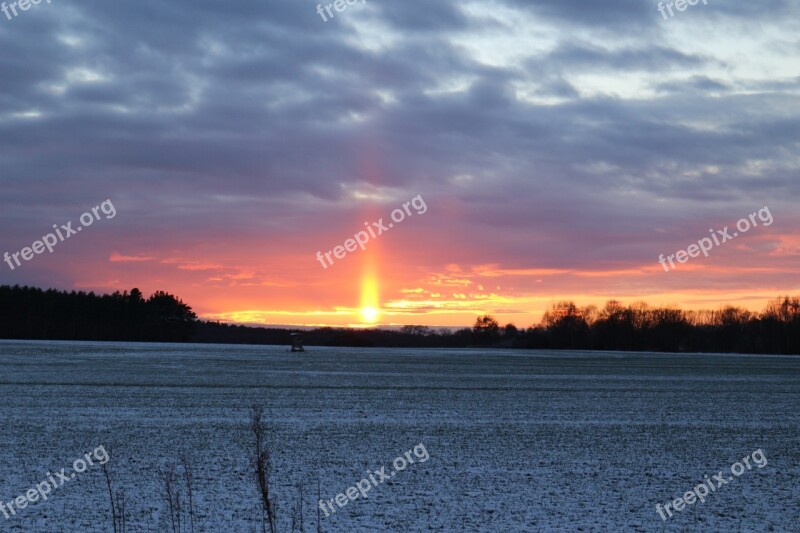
column 297, row 342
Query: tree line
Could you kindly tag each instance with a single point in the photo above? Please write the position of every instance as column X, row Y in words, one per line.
column 32, row 313
column 639, row 327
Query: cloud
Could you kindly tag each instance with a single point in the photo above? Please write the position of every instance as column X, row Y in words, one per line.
column 119, row 258
column 548, row 136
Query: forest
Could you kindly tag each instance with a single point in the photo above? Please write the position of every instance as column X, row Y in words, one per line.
column 38, row 314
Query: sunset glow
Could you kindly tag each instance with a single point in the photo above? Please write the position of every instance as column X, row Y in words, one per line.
column 370, row 301
column 554, row 168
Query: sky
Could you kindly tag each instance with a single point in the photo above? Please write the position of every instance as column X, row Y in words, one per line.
column 559, row 148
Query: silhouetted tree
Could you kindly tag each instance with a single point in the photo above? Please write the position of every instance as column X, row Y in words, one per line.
column 566, row 326
column 780, row 324
column 486, row 329
column 171, row 317
column 615, row 327
column 416, row 331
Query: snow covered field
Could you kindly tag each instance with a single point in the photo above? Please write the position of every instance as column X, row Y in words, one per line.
column 518, row 441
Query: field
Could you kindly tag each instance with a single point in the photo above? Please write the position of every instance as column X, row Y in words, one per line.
column 517, row 441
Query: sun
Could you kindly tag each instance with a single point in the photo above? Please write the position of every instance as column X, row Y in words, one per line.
column 369, row 314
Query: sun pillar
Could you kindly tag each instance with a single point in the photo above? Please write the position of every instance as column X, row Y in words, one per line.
column 370, row 299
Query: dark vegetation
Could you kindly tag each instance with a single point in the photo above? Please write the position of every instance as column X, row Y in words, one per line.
column 31, row 313
column 176, row 481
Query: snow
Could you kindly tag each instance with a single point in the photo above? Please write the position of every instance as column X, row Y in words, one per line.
column 518, row 440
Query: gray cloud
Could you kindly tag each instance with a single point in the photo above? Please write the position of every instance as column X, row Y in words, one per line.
column 173, row 106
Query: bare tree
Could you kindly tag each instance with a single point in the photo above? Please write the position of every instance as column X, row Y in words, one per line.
column 188, row 476
column 121, row 512
column 111, row 496
column 171, row 496
column 319, row 517
column 297, row 515
column 118, row 510
column 262, row 463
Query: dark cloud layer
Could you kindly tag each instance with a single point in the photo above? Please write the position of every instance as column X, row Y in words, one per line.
column 603, row 124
